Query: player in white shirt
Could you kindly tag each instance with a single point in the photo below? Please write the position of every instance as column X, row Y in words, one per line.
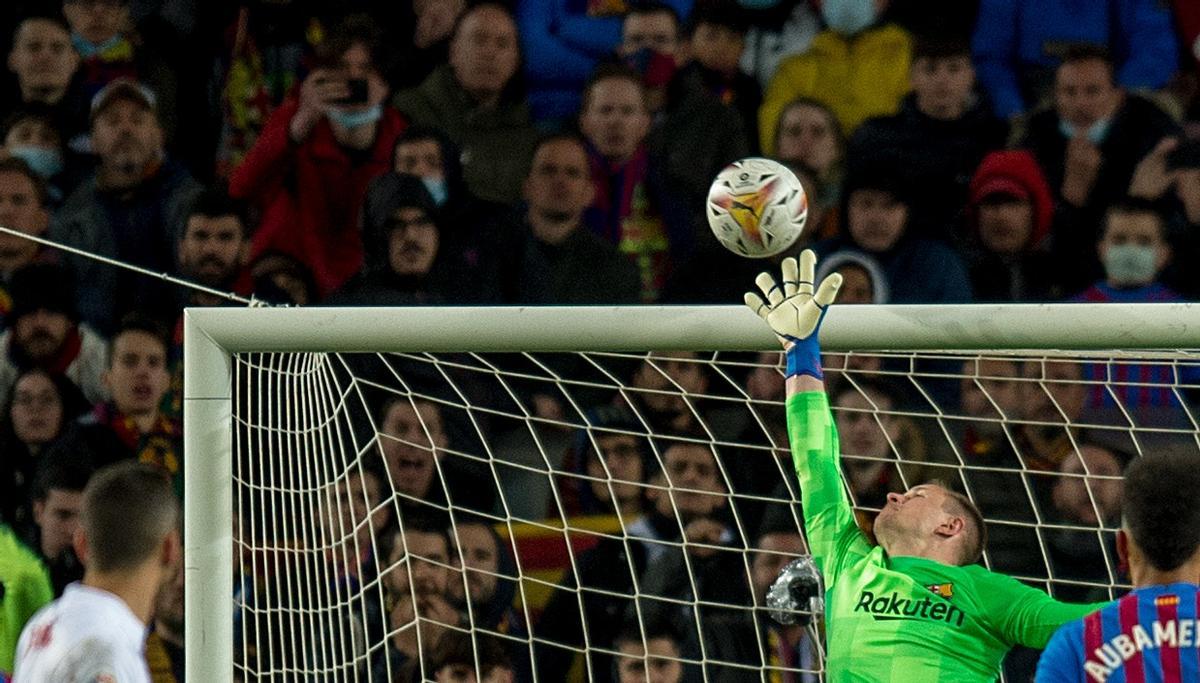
column 128, row 541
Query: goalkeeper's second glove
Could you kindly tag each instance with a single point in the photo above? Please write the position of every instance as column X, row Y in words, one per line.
column 794, row 310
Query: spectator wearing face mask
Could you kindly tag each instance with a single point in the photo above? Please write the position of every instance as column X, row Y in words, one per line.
column 1134, row 251
column 693, row 135
column 1089, row 145
column 318, row 152
column 32, row 136
column 109, row 49
column 716, row 42
column 858, row 67
column 564, row 41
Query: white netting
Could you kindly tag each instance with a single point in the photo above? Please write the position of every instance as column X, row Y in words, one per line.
column 602, row 501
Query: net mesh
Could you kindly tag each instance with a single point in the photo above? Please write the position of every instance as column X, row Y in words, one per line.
column 587, row 515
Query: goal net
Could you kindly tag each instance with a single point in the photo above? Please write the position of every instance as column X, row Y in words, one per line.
column 581, row 494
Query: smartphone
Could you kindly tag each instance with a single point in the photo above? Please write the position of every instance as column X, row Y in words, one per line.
column 358, row 92
column 1186, row 155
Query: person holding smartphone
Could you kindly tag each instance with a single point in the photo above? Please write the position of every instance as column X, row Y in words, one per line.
column 309, row 169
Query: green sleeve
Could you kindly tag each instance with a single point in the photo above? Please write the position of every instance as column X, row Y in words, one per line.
column 1024, row 615
column 26, row 590
column 833, row 535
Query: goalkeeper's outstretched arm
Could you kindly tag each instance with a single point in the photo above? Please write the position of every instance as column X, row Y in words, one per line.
column 794, row 310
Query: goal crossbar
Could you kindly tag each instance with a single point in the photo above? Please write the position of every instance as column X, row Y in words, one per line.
column 213, row 335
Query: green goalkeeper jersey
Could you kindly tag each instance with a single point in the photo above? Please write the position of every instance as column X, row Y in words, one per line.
column 903, row 619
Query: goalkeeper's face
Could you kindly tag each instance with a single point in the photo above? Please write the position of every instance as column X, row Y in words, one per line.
column 912, row 518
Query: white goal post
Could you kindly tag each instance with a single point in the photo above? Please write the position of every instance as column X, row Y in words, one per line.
column 213, row 335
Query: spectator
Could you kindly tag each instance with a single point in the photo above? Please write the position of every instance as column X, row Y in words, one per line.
column 164, row 645
column 693, row 136
column 626, row 210
column 309, row 170
column 132, row 424
column 807, row 133
column 38, row 411
column 45, row 332
column 420, row 612
column 1087, row 497
column 716, row 45
column 690, row 498
column 917, row 269
column 476, row 100
column 663, row 391
column 454, row 659
column 1054, row 397
column 863, row 281
column 1089, row 144
column 1009, row 213
column 557, row 245
column 57, row 497
column 425, row 472
column 488, row 573
column 280, row 278
column 44, row 63
column 1134, row 251
column 26, row 590
column 608, row 468
column 129, row 542
column 982, row 443
column 429, row 154
column 132, row 209
column 1017, row 45
column 858, row 42
column 31, row 136
column 939, row 136
column 778, row 30
column 110, row 50
column 22, row 208
column 650, row 656
column 409, row 258
column 214, row 247
column 564, row 41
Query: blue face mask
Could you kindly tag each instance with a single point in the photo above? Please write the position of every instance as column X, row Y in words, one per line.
column 355, row 119
column 1130, row 265
column 848, row 17
column 88, row 49
column 1096, row 133
column 437, row 189
column 45, row 162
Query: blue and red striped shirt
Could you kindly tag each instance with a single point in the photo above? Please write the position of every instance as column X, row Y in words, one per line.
column 1150, row 635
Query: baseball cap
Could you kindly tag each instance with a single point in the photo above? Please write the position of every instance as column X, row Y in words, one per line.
column 125, row 89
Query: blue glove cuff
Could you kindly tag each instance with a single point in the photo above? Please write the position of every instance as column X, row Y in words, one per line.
column 804, row 357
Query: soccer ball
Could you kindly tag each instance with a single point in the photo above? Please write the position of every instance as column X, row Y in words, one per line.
column 756, row 207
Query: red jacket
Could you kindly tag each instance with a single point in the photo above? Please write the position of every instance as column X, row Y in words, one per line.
column 310, row 194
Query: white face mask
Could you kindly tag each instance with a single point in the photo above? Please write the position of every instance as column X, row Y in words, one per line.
column 1130, row 264
column 848, row 17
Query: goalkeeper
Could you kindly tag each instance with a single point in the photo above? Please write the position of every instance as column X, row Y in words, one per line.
column 916, row 607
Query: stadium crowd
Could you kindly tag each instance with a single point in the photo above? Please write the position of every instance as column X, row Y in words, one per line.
column 559, row 152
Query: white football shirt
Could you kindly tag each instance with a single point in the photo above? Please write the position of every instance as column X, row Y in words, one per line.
column 86, row 636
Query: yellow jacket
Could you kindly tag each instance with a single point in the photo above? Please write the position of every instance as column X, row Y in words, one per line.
column 858, row 78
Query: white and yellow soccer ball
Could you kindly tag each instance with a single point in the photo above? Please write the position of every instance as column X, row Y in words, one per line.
column 757, row 207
